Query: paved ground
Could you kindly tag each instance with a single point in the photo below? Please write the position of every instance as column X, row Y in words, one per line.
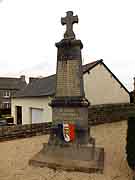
column 14, row 157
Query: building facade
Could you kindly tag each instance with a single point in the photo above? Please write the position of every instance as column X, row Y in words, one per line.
column 8, row 87
column 100, row 84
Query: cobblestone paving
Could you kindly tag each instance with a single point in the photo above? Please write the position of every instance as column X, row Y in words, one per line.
column 14, row 157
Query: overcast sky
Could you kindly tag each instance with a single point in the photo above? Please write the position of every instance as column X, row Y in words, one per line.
column 30, row 28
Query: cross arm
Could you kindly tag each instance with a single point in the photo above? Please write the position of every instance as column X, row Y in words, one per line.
column 75, row 19
column 63, row 21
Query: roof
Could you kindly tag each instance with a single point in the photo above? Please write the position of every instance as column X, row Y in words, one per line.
column 89, row 66
column 8, row 83
column 39, row 87
column 46, row 86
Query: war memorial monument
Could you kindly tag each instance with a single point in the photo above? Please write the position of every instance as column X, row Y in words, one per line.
column 70, row 145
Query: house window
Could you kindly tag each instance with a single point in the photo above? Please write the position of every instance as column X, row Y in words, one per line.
column 6, row 94
column 6, row 105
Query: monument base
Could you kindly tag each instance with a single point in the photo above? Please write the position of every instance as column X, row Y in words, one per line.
column 76, row 158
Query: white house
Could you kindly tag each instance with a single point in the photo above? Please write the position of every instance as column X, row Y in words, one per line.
column 101, row 87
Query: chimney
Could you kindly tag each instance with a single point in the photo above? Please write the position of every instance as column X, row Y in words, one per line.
column 22, row 77
column 32, row 79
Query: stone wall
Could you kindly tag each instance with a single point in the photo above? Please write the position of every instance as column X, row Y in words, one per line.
column 23, row 131
column 99, row 114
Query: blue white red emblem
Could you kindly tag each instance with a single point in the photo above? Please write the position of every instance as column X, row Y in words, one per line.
column 68, row 132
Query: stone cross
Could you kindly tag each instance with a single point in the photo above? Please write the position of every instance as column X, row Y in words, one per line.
column 69, row 20
column 70, row 146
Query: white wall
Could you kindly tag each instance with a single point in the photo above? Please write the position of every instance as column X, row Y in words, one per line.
column 27, row 104
column 101, row 88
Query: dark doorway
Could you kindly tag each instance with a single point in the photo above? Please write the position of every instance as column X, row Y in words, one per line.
column 19, row 114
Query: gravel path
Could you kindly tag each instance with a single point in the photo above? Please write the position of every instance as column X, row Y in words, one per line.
column 14, row 157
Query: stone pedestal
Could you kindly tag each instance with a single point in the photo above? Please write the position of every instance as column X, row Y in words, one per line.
column 70, row 158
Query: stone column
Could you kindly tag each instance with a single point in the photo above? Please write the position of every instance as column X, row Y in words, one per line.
column 70, row 104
